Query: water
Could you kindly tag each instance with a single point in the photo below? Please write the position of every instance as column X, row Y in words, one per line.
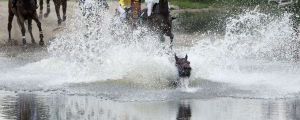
column 63, row 107
column 202, row 21
column 90, row 72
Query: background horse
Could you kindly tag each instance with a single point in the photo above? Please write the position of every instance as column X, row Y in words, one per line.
column 24, row 10
column 42, row 7
column 57, row 4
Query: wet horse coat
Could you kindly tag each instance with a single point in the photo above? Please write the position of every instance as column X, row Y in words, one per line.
column 183, row 67
column 184, row 72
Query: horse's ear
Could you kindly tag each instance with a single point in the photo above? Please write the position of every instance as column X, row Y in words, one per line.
column 186, row 56
column 176, row 58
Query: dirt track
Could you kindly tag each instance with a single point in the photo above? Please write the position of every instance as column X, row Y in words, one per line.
column 49, row 25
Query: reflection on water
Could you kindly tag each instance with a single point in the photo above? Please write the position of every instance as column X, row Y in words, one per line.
column 44, row 106
column 184, row 112
column 24, row 107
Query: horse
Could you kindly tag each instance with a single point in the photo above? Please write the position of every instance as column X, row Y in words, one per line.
column 183, row 66
column 57, row 4
column 24, row 10
column 184, row 72
column 159, row 22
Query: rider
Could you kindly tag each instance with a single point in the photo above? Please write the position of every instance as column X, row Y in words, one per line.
column 124, row 6
column 14, row 2
column 150, row 4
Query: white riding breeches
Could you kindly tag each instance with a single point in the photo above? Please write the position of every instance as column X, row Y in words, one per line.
column 122, row 12
column 149, row 8
column 150, row 4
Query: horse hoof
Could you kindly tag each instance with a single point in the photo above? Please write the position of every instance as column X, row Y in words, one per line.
column 64, row 18
column 10, row 42
column 24, row 42
column 59, row 22
column 33, row 42
column 41, row 43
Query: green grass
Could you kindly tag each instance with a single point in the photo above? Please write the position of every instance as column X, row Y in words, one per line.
column 198, row 4
column 190, row 4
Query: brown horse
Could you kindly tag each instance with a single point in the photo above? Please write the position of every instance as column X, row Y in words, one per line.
column 24, row 10
column 160, row 20
column 57, row 4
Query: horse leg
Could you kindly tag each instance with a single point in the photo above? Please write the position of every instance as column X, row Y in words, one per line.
column 9, row 26
column 171, row 40
column 161, row 37
column 23, row 30
column 48, row 9
column 57, row 7
column 35, row 18
column 30, row 30
column 64, row 5
column 41, row 9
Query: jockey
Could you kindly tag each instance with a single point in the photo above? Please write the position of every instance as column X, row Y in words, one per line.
column 150, row 4
column 14, row 2
column 124, row 5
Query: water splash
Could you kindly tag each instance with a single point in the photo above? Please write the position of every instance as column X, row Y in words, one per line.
column 96, row 53
column 257, row 52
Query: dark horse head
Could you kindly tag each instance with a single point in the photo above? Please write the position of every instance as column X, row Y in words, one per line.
column 183, row 66
column 161, row 21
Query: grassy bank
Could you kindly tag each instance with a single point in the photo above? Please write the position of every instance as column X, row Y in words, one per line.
column 198, row 4
column 191, row 4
